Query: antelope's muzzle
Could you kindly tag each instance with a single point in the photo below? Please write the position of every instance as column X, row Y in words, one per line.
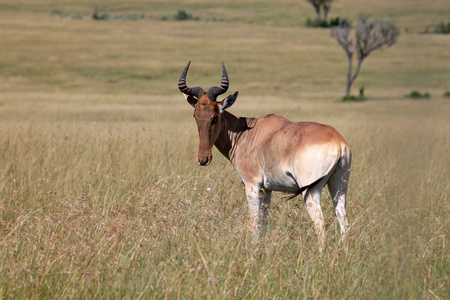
column 204, row 159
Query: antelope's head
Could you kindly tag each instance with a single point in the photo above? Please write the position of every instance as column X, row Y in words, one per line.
column 208, row 112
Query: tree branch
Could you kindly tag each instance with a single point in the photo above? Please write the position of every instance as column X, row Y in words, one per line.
column 370, row 36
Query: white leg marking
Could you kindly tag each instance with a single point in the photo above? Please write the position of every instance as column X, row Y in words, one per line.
column 337, row 185
column 341, row 215
column 312, row 201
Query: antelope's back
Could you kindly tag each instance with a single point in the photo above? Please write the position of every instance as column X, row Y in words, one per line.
column 305, row 151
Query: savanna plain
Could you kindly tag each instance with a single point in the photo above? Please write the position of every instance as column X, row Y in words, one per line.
column 100, row 192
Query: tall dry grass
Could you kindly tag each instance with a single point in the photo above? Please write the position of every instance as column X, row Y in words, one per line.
column 113, row 207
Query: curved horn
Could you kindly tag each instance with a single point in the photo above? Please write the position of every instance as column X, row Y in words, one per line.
column 196, row 91
column 215, row 91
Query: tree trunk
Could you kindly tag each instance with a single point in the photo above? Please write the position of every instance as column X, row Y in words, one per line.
column 349, row 74
column 350, row 78
column 326, row 9
column 317, row 8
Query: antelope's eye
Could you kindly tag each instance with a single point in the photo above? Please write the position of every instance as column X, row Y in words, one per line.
column 214, row 120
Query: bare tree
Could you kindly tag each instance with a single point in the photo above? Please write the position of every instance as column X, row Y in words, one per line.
column 326, row 6
column 321, row 6
column 370, row 35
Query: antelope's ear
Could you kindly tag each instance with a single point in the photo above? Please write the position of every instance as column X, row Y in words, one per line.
column 227, row 102
column 191, row 100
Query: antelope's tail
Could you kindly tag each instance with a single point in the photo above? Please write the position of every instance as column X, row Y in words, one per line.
column 303, row 188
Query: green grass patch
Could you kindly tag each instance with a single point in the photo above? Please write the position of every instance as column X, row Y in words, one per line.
column 353, row 98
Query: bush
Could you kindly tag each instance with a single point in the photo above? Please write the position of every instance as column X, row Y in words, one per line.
column 337, row 21
column 183, row 15
column 353, row 98
column 446, row 94
column 316, row 24
column 361, row 96
column 418, row 95
column 443, row 28
column 361, row 92
column 324, row 24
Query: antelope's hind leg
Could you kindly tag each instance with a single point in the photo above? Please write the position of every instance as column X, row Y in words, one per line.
column 311, row 196
column 258, row 201
column 337, row 185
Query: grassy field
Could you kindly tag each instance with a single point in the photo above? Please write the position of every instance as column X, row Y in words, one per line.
column 100, row 192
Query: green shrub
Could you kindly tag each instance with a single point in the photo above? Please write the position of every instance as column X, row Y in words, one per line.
column 446, row 94
column 316, row 24
column 361, row 96
column 443, row 28
column 418, row 95
column 324, row 24
column 361, row 92
column 337, row 21
column 183, row 15
column 353, row 98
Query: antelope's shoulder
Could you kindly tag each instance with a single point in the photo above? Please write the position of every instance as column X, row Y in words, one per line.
column 272, row 120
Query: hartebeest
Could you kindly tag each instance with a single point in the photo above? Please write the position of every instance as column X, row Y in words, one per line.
column 272, row 153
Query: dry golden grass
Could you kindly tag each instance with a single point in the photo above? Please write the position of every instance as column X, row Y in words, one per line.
column 100, row 194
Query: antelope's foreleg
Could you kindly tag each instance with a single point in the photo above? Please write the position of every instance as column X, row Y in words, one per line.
column 258, row 204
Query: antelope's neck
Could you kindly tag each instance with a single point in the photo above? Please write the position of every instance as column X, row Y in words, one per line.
column 232, row 131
